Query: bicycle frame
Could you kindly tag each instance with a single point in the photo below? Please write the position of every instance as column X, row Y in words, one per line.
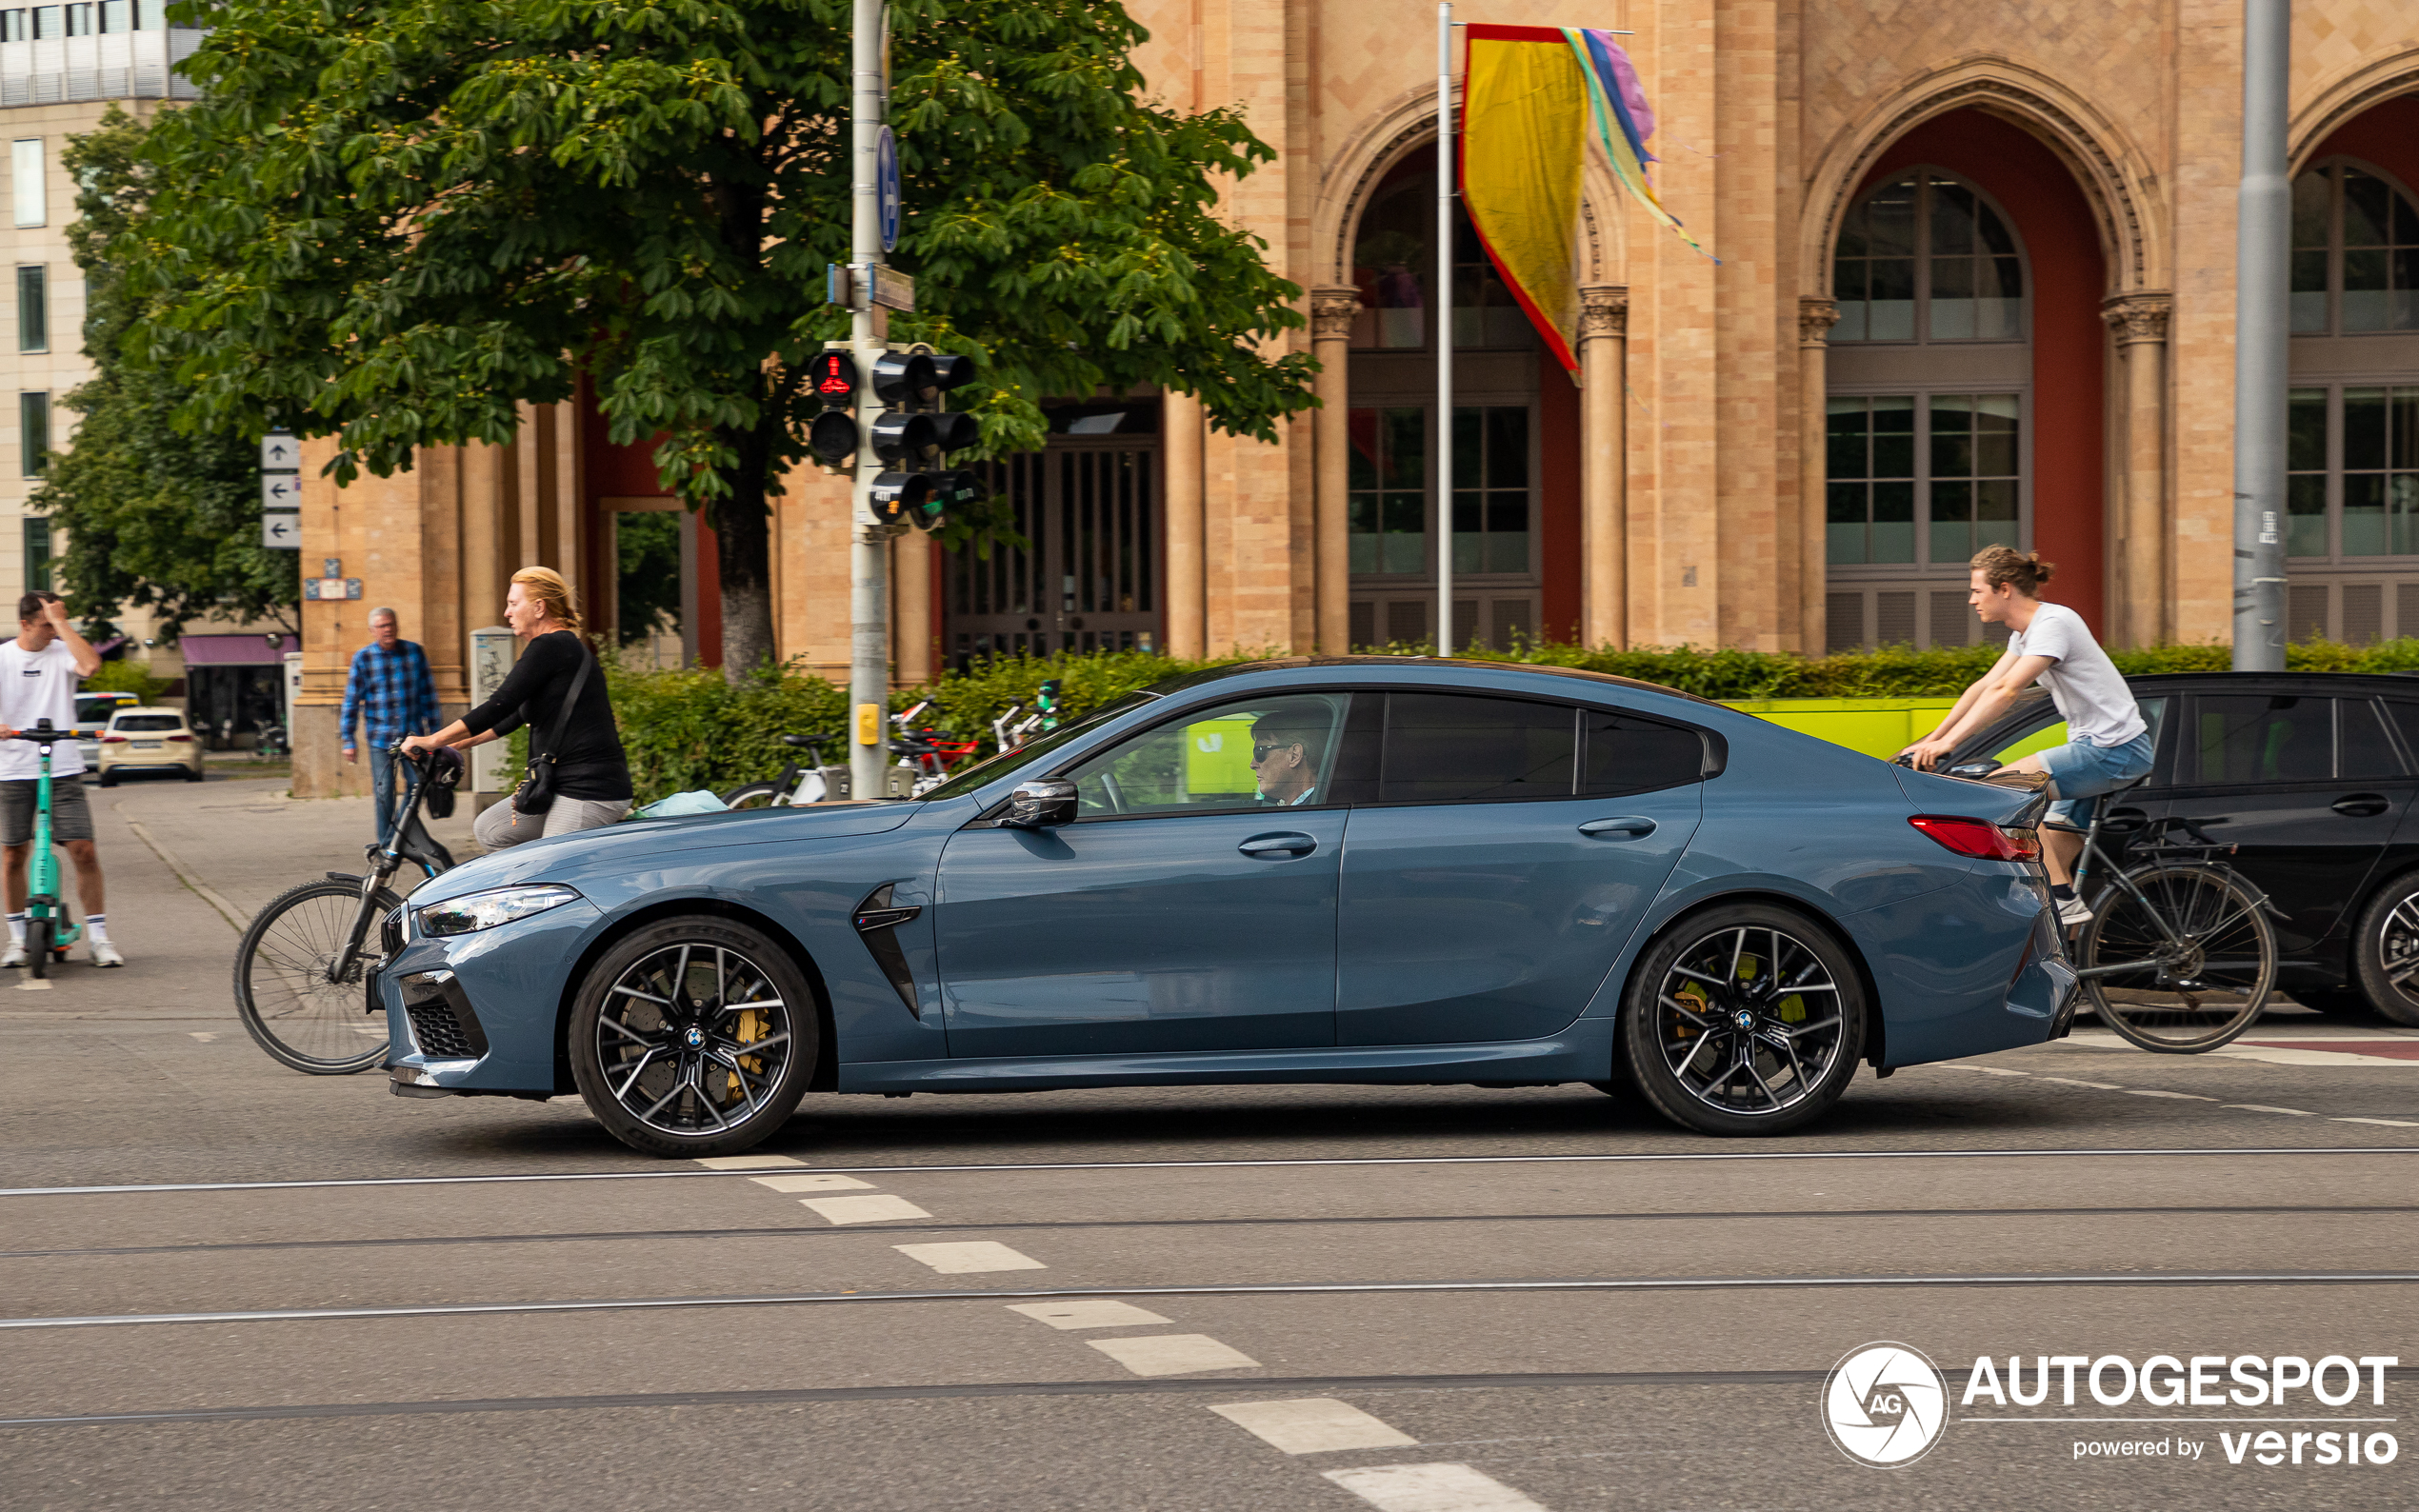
column 409, row 841
column 2091, row 851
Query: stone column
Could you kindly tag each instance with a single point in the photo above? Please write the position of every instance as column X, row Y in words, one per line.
column 1604, row 464
column 1816, row 318
column 2140, row 593
column 1186, row 603
column 1331, row 313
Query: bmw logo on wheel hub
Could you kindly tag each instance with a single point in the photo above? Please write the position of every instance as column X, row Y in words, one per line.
column 695, row 1038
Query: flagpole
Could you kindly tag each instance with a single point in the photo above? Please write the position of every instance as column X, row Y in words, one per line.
column 1442, row 304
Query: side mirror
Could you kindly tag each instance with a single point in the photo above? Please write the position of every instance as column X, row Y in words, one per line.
column 1042, row 803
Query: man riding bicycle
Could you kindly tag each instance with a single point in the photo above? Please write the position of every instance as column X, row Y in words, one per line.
column 39, row 672
column 2108, row 742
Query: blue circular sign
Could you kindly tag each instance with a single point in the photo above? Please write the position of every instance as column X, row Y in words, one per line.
column 886, row 186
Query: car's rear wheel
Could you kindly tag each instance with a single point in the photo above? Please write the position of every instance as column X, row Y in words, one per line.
column 1745, row 1020
column 2385, row 950
column 695, row 1037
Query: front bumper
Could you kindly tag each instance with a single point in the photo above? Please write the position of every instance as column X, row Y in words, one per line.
column 481, row 1014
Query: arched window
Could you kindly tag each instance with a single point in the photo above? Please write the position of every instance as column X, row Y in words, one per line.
column 2356, row 252
column 1928, row 409
column 1926, row 258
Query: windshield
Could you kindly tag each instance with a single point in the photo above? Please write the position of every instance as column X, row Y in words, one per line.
column 149, row 721
column 91, row 711
column 1000, row 765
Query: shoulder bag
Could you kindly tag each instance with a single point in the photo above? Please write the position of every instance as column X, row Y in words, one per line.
column 536, row 793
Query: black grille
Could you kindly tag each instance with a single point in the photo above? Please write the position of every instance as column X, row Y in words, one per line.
column 438, row 1031
column 442, row 1019
column 391, row 934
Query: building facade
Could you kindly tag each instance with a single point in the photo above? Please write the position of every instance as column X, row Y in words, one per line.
column 1975, row 283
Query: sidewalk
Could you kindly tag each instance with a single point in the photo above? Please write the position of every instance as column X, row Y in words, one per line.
column 240, row 841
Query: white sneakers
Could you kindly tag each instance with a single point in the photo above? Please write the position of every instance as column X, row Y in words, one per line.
column 2074, row 913
column 105, row 954
column 15, row 954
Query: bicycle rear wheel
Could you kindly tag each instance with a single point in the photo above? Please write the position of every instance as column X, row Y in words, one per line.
column 290, row 1000
column 755, row 795
column 2191, row 993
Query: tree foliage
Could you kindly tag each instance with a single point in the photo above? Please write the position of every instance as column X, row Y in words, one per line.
column 391, row 220
column 155, row 517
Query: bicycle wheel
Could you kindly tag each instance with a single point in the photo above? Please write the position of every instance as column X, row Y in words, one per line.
column 753, row 795
column 2191, row 993
column 289, row 1002
column 37, row 946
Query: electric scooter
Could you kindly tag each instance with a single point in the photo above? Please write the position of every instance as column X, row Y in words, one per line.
column 48, row 929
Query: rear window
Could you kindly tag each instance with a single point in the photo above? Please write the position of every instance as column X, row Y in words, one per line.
column 2264, row 738
column 93, row 709
column 1452, row 747
column 144, row 722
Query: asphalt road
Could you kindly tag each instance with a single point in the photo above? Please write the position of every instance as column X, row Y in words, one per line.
column 292, row 1291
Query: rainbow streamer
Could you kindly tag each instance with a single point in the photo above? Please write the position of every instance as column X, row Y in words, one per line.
column 1624, row 121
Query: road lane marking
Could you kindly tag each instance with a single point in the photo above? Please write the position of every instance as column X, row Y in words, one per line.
column 2182, row 1097
column 1174, row 1354
column 204, row 1038
column 1089, row 1314
column 2097, row 1086
column 2199, row 1152
column 744, row 1163
column 880, row 1209
column 2394, row 1122
column 1993, row 1070
column 2262, row 1108
column 1430, row 1489
column 972, row 1257
column 818, row 1183
column 1314, row 1425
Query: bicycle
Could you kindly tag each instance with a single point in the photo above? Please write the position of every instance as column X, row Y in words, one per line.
column 2178, row 957
column 49, row 931
column 304, row 974
column 796, row 785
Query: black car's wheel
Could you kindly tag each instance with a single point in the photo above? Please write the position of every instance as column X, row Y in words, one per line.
column 753, row 795
column 1745, row 1020
column 2385, row 950
column 696, row 1036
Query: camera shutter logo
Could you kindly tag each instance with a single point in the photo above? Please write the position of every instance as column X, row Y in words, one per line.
column 1885, row 1404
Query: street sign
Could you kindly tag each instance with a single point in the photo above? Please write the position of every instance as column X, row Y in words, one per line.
column 280, row 490
column 885, row 169
column 892, row 289
column 280, row 452
column 326, row 589
column 281, row 531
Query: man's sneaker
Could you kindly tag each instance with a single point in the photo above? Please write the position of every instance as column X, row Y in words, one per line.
column 15, row 954
column 2074, row 913
column 105, row 954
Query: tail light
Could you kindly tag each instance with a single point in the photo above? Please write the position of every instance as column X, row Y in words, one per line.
column 112, row 739
column 182, row 740
column 1979, row 839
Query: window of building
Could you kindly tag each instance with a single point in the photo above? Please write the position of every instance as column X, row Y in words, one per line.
column 33, row 429
column 37, row 553
column 1923, row 479
column 1389, row 491
column 2356, row 252
column 1394, row 264
column 27, row 192
column 14, row 25
column 81, row 19
column 34, row 308
column 1926, row 258
column 2352, row 459
column 1493, row 504
column 1491, row 490
column 117, row 15
column 48, row 21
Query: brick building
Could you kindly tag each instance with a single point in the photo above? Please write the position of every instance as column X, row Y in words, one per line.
column 1975, row 285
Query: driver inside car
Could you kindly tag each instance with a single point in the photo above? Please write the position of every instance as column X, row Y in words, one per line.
column 1286, row 747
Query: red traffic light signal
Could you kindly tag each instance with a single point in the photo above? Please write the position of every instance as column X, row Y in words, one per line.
column 835, row 377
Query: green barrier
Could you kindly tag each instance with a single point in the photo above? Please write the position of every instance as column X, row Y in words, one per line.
column 1877, row 726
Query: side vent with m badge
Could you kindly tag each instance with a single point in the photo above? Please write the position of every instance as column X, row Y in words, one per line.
column 875, row 919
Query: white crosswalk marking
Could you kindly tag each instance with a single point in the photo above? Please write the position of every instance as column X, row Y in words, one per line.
column 1430, row 1489
column 1314, row 1425
column 1173, row 1354
column 744, row 1162
column 1087, row 1314
column 862, row 1209
column 813, row 1183
column 967, row 1258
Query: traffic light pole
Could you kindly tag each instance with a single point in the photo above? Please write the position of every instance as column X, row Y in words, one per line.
column 868, row 539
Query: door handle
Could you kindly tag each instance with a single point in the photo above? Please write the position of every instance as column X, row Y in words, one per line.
column 1628, row 827
column 2360, row 805
column 1278, row 846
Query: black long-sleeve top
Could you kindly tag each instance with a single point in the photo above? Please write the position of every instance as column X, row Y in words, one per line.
column 591, row 763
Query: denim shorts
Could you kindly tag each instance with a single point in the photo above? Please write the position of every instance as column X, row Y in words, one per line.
column 2084, row 771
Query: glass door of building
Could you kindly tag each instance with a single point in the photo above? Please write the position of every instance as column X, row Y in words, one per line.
column 1089, row 577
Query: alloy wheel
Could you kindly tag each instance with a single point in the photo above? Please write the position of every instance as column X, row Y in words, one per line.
column 693, row 1039
column 1749, row 1020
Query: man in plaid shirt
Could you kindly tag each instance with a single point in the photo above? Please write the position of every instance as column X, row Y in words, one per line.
column 390, row 691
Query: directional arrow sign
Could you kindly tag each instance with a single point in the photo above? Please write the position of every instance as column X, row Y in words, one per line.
column 280, row 452
column 281, row 531
column 280, row 490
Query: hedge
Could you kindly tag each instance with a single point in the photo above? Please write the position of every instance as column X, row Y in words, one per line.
column 689, row 729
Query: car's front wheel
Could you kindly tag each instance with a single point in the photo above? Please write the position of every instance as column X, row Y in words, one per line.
column 696, row 1036
column 2385, row 950
column 1744, row 1020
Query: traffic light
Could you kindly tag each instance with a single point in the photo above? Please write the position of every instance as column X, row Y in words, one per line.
column 914, row 437
column 834, row 435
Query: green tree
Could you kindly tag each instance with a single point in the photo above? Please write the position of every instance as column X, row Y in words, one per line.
column 390, row 220
column 155, row 517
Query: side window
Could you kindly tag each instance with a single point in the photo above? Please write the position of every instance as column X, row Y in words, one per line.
column 1277, row 750
column 2263, row 738
column 1462, row 748
column 1625, row 754
column 2361, row 746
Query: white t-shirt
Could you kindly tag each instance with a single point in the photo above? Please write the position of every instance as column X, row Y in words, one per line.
column 2085, row 686
column 35, row 685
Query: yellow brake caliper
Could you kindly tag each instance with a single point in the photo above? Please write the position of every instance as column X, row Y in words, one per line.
column 751, row 1029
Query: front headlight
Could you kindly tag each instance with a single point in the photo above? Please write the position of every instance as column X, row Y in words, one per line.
column 485, row 910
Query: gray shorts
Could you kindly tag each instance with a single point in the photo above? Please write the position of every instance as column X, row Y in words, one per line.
column 71, row 815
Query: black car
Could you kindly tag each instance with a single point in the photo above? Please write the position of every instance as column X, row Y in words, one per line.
column 2311, row 775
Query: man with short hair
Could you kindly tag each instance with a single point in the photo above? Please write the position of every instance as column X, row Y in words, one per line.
column 39, row 672
column 1286, row 747
column 390, row 690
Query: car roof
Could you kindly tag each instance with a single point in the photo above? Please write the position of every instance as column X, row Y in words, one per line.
column 1281, row 664
column 2400, row 681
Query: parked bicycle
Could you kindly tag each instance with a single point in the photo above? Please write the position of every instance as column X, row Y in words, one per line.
column 307, row 971
column 808, row 784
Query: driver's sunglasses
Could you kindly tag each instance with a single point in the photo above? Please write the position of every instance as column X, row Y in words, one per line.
column 1260, row 752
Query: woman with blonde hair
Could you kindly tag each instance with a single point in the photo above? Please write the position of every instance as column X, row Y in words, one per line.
column 557, row 690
